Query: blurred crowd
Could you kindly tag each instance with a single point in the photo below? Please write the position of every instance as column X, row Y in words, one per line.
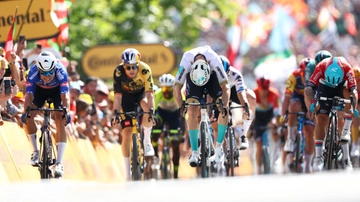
column 91, row 99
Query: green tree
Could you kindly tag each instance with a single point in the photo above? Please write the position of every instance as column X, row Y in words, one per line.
column 94, row 22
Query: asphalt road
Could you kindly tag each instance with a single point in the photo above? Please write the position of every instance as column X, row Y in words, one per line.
column 336, row 186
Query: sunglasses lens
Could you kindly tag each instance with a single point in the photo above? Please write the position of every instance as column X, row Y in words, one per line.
column 167, row 89
column 47, row 73
column 133, row 67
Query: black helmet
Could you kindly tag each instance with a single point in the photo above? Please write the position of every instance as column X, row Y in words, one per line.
column 322, row 55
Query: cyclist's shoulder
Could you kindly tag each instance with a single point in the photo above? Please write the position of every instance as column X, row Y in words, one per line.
column 273, row 91
column 143, row 65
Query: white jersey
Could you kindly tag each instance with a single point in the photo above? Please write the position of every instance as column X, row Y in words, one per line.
column 236, row 79
column 212, row 59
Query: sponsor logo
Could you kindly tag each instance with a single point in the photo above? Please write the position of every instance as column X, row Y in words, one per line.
column 145, row 71
column 180, row 72
column 28, row 84
column 127, row 123
column 64, row 84
column 220, row 72
column 117, row 72
column 149, row 79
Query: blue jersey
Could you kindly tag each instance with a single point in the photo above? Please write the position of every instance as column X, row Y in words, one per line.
column 60, row 79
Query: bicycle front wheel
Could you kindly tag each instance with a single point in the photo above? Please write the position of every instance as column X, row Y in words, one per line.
column 230, row 134
column 46, row 156
column 203, row 154
column 297, row 152
column 135, row 153
column 330, row 143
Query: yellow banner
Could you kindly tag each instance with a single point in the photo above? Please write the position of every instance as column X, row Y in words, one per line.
column 35, row 24
column 102, row 60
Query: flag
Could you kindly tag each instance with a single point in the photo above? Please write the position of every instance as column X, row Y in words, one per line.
column 9, row 40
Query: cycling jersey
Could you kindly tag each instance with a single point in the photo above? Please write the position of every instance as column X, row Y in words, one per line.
column 295, row 83
column 235, row 78
column 143, row 81
column 273, row 100
column 357, row 77
column 319, row 73
column 211, row 58
column 60, row 79
column 163, row 103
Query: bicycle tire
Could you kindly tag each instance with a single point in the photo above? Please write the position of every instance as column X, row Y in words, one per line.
column 45, row 173
column 135, row 153
column 266, row 160
column 330, row 149
column 232, row 156
column 165, row 161
column 203, row 154
column 297, row 152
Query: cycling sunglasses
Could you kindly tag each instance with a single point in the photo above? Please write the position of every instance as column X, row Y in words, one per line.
column 166, row 89
column 133, row 67
column 47, row 73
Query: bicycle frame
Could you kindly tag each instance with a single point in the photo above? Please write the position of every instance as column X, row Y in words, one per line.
column 46, row 146
column 231, row 148
column 206, row 142
column 299, row 141
column 332, row 144
column 136, row 148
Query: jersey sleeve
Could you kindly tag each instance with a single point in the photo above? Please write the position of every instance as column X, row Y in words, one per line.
column 184, row 68
column 317, row 75
column 290, row 85
column 350, row 75
column 217, row 66
column 237, row 79
column 32, row 78
column 117, row 80
column 62, row 76
column 147, row 77
column 158, row 96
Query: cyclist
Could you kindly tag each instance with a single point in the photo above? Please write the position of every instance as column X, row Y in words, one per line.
column 240, row 94
column 47, row 79
column 356, row 122
column 294, row 102
column 267, row 100
column 133, row 83
column 201, row 68
column 167, row 112
column 328, row 80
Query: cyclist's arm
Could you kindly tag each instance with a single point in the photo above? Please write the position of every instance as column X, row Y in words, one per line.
column 64, row 87
column 177, row 94
column 309, row 96
column 354, row 93
column 225, row 94
column 290, row 87
column 117, row 89
column 149, row 83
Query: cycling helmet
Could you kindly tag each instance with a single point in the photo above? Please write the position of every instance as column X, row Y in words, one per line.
column 263, row 82
column 46, row 62
column 303, row 63
column 334, row 73
column 130, row 56
column 166, row 80
column 309, row 70
column 225, row 62
column 320, row 55
column 200, row 72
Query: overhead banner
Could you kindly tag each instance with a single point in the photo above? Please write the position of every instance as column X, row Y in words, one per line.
column 102, row 60
column 34, row 19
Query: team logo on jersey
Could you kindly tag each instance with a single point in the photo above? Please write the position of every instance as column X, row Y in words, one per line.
column 180, row 72
column 127, row 123
column 149, row 79
column 28, row 84
column 117, row 72
column 145, row 71
column 64, row 84
column 220, row 72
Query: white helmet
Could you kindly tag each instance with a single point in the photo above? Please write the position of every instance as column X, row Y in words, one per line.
column 200, row 72
column 166, row 80
column 130, row 56
column 46, row 61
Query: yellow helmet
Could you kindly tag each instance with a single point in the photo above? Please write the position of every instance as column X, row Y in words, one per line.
column 86, row 98
column 111, row 96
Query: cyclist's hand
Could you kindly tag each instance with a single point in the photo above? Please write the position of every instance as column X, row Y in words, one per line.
column 116, row 119
column 283, row 119
column 24, row 117
column 66, row 116
column 356, row 113
column 312, row 106
column 182, row 110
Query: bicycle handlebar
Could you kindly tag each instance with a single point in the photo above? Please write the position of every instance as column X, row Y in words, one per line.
column 63, row 110
column 347, row 101
column 136, row 114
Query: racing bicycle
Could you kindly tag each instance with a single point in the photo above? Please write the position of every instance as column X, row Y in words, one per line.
column 47, row 150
